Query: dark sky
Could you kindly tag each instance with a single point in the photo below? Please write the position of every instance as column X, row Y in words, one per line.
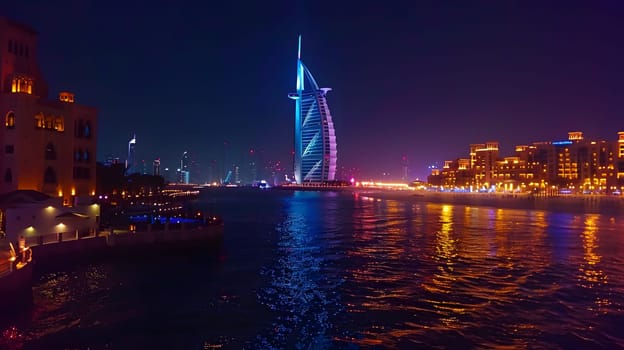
column 424, row 79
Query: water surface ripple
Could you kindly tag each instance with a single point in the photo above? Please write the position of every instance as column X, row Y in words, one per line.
column 314, row 270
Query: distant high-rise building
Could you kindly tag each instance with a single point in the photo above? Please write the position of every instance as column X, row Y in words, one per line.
column 315, row 139
column 404, row 166
column 212, row 172
column 225, row 161
column 167, row 175
column 184, row 172
column 131, row 159
column 237, row 179
column 47, row 145
column 252, row 167
column 156, row 164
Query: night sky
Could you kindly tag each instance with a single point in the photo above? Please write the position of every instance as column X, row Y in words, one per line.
column 424, row 79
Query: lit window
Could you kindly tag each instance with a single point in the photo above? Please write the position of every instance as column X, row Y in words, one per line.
column 10, row 120
column 39, row 121
column 21, row 84
column 59, row 124
column 49, row 122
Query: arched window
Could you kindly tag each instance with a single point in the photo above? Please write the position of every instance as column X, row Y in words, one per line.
column 21, row 84
column 49, row 122
column 86, row 155
column 87, row 130
column 49, row 177
column 8, row 176
column 39, row 121
column 9, row 120
column 59, row 124
column 50, row 152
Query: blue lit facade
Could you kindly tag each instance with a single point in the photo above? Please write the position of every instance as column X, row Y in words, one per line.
column 315, row 138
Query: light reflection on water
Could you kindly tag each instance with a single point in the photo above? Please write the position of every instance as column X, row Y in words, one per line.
column 299, row 292
column 328, row 270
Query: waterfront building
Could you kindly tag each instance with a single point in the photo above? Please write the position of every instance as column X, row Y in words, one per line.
column 45, row 145
column 455, row 174
column 315, row 139
column 573, row 165
column 619, row 166
column 483, row 159
column 510, row 173
column 30, row 218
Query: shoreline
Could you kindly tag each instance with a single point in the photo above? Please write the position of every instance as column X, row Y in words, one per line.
column 592, row 204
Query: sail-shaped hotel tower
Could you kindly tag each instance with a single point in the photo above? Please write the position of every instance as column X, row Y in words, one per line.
column 315, row 138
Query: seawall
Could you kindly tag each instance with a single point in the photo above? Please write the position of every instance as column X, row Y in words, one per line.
column 109, row 243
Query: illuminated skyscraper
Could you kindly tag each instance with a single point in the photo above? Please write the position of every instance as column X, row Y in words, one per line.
column 315, row 138
column 183, row 172
column 131, row 160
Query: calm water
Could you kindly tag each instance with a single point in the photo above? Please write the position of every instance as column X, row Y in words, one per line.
column 309, row 270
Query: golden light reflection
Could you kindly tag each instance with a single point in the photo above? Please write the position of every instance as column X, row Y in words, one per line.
column 502, row 238
column 474, row 249
column 462, row 262
column 590, row 274
column 446, row 252
column 538, row 249
column 446, row 247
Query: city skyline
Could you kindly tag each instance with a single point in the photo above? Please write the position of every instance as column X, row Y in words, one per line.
column 407, row 77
